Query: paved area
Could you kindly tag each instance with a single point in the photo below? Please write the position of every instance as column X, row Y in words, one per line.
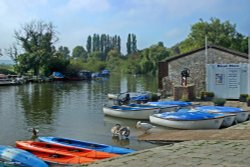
column 201, row 153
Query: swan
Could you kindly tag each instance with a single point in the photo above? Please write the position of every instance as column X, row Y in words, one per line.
column 115, row 130
column 124, row 132
column 144, row 126
column 120, row 131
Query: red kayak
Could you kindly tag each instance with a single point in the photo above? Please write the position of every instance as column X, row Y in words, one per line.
column 61, row 154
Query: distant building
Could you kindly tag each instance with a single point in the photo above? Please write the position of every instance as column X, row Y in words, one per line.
column 169, row 73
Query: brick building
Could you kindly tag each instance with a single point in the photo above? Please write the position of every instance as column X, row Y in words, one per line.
column 169, row 73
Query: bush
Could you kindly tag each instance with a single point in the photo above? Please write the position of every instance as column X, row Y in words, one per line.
column 209, row 94
column 243, row 97
column 154, row 97
column 219, row 101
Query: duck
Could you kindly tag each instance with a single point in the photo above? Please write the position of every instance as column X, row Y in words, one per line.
column 34, row 131
column 144, row 126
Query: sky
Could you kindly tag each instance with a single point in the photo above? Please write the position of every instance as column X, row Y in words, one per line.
column 152, row 21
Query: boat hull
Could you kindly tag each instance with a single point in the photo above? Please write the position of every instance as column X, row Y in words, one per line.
column 87, row 145
column 61, row 149
column 133, row 113
column 20, row 157
column 191, row 125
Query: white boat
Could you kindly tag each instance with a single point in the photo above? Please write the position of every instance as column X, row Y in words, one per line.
column 181, row 104
column 4, row 80
column 241, row 115
column 229, row 119
column 164, row 108
column 130, row 112
column 188, row 120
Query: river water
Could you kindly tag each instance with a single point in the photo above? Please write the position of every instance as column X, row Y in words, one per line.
column 69, row 109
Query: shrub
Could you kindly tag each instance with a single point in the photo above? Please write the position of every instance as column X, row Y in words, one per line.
column 219, row 101
column 209, row 94
column 154, row 97
column 243, row 97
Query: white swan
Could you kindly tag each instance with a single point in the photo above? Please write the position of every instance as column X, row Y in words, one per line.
column 144, row 126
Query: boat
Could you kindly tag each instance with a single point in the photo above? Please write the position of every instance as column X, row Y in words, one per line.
column 136, row 97
column 4, row 80
column 60, row 154
column 228, row 120
column 182, row 104
column 62, row 149
column 130, row 112
column 164, row 108
column 188, row 120
column 241, row 115
column 20, row 157
column 87, row 145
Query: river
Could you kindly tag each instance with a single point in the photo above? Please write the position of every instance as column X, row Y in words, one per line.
column 69, row 109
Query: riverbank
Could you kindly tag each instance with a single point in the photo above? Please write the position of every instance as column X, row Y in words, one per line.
column 219, row 150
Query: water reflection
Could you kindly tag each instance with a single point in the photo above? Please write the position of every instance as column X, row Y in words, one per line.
column 68, row 109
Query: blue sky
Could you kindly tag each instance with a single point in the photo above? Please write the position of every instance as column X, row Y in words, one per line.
column 152, row 21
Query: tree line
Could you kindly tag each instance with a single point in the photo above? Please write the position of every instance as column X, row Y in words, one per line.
column 37, row 52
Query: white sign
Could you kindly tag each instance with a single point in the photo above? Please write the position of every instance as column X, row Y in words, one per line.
column 227, row 80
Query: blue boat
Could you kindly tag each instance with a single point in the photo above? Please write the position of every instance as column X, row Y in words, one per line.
column 188, row 120
column 163, row 108
column 241, row 115
column 15, row 156
column 87, row 145
column 179, row 103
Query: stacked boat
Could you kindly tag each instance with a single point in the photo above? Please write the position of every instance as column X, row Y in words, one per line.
column 201, row 117
column 54, row 150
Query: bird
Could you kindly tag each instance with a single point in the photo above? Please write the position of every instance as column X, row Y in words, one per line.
column 120, row 131
column 115, row 130
column 124, row 132
column 35, row 132
column 144, row 126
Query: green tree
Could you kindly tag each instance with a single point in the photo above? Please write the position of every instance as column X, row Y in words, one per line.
column 37, row 39
column 89, row 44
column 129, row 44
column 80, row 52
column 151, row 56
column 64, row 51
column 217, row 32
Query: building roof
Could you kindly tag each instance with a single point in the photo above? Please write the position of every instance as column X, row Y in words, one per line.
column 240, row 54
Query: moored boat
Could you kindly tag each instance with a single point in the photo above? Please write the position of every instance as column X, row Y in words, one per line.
column 182, row 104
column 188, row 120
column 130, row 112
column 164, row 108
column 20, row 157
column 228, row 120
column 87, row 145
column 241, row 115
column 63, row 149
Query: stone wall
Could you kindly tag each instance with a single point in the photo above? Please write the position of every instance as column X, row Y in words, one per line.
column 196, row 63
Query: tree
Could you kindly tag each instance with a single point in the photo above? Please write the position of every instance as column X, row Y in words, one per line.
column 80, row 52
column 218, row 33
column 129, row 44
column 64, row 51
column 37, row 39
column 89, row 44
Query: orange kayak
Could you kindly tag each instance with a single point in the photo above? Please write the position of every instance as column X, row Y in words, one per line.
column 62, row 154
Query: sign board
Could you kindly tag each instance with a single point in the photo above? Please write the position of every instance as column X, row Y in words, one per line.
column 227, row 80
